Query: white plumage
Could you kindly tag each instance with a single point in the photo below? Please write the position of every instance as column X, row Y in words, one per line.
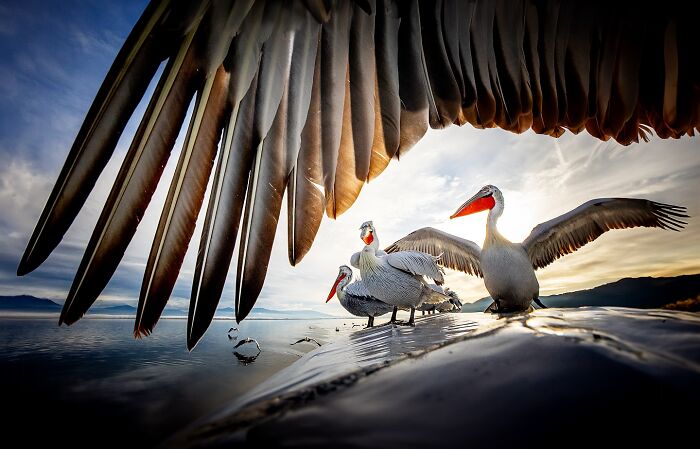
column 397, row 278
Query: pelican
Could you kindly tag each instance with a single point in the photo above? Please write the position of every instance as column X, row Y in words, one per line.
column 509, row 268
column 355, row 298
column 397, row 278
column 453, row 304
column 446, row 305
column 311, row 99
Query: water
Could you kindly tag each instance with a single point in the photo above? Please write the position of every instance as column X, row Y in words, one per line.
column 93, row 384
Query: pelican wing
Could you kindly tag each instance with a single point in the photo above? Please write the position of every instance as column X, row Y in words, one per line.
column 355, row 258
column 359, row 289
column 415, row 262
column 567, row 233
column 317, row 97
column 454, row 252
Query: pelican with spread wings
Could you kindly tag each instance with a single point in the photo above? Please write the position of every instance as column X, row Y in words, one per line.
column 313, row 98
column 509, row 268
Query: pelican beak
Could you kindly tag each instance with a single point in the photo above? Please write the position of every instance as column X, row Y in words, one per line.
column 477, row 203
column 341, row 276
column 367, row 237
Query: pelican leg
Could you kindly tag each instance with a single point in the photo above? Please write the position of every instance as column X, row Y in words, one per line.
column 422, row 312
column 539, row 303
column 498, row 305
column 411, row 321
column 370, row 321
column 393, row 315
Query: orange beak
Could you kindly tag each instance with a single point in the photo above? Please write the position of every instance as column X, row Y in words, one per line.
column 475, row 204
column 341, row 276
column 369, row 238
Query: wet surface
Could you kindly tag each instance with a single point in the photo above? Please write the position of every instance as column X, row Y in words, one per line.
column 363, row 349
column 93, row 384
column 470, row 379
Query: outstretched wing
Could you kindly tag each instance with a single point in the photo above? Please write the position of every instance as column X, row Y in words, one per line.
column 416, row 262
column 454, row 252
column 569, row 232
column 317, row 97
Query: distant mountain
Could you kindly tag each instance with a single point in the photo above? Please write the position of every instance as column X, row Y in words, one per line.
column 120, row 309
column 28, row 303
column 261, row 312
column 641, row 293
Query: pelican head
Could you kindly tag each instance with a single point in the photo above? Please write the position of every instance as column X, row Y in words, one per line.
column 485, row 199
column 367, row 232
column 343, row 272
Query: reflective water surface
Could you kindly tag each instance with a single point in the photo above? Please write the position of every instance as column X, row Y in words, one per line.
column 363, row 349
column 93, row 384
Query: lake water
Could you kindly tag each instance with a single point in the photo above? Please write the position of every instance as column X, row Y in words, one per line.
column 93, row 384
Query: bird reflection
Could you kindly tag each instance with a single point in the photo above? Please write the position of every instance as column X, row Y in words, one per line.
column 246, row 359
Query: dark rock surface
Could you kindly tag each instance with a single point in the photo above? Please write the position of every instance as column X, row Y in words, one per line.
column 555, row 377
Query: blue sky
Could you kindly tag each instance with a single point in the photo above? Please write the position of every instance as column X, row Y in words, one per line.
column 55, row 54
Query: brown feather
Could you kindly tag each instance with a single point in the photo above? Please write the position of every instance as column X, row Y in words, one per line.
column 305, row 197
column 132, row 70
column 334, row 66
column 347, row 186
column 223, row 216
column 362, row 76
column 183, row 202
column 263, row 202
column 441, row 79
column 135, row 183
column 387, row 106
column 413, row 83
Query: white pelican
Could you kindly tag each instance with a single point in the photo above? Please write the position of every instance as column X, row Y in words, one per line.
column 450, row 304
column 397, row 278
column 316, row 97
column 355, row 298
column 509, row 268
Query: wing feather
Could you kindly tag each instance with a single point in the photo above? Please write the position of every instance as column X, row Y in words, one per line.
column 135, row 183
column 415, row 262
column 569, row 232
column 454, row 252
column 223, row 217
column 183, row 202
column 306, row 199
column 133, row 68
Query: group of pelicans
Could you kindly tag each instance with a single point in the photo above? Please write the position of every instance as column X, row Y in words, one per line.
column 408, row 274
column 389, row 282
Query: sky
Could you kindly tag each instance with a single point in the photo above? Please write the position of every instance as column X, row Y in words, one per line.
column 54, row 55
